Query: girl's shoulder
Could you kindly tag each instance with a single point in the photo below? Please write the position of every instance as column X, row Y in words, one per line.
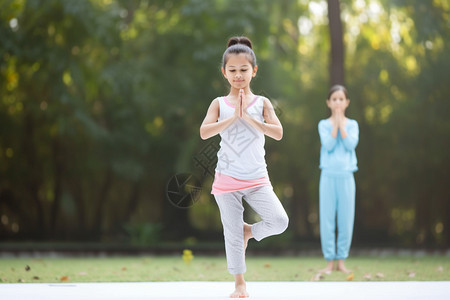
column 259, row 101
column 352, row 122
column 324, row 122
column 220, row 100
column 261, row 97
column 215, row 104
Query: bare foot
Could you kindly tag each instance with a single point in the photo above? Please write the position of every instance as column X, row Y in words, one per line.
column 247, row 234
column 341, row 267
column 240, row 291
column 240, row 287
column 328, row 269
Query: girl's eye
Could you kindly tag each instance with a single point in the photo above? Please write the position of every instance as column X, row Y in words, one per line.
column 232, row 71
column 244, row 70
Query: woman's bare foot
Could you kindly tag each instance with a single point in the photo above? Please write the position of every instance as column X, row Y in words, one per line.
column 247, row 234
column 341, row 267
column 329, row 268
column 240, row 287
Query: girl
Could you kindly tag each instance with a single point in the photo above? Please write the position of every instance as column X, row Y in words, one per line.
column 339, row 137
column 242, row 119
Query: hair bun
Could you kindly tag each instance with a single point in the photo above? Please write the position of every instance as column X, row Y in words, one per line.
column 239, row 40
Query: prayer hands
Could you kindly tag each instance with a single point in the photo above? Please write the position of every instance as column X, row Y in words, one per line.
column 339, row 117
column 241, row 105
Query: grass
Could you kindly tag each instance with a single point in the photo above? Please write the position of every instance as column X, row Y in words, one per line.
column 138, row 269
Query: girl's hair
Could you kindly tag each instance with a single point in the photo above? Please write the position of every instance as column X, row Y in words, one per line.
column 239, row 44
column 337, row 87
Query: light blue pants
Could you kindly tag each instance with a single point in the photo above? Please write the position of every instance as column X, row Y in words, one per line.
column 336, row 205
column 266, row 204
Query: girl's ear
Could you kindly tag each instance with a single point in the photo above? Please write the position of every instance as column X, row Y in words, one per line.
column 255, row 69
column 224, row 73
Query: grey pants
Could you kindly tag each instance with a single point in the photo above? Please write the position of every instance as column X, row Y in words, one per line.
column 266, row 204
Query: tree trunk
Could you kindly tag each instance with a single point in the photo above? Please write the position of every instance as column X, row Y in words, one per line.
column 57, row 167
column 301, row 210
column 446, row 214
column 33, row 181
column 133, row 202
column 79, row 195
column 337, row 44
column 101, row 203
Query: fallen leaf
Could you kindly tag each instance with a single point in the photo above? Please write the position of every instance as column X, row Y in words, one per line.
column 64, row 278
column 411, row 274
column 367, row 276
column 27, row 268
column 36, row 277
column 266, row 265
column 440, row 269
column 124, row 268
column 380, row 275
column 350, row 277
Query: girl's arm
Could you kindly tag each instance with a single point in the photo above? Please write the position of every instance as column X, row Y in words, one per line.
column 327, row 139
column 210, row 127
column 272, row 126
column 352, row 136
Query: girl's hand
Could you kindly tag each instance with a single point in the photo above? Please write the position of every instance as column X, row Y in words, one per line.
column 341, row 118
column 337, row 120
column 242, row 102
column 338, row 117
column 238, row 105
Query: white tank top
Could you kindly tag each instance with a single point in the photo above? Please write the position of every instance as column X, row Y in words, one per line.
column 241, row 153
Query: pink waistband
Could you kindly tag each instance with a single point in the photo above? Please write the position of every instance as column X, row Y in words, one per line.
column 226, row 184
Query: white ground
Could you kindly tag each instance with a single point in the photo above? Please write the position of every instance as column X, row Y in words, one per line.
column 411, row 290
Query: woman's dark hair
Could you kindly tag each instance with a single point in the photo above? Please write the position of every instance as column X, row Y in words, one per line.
column 337, row 87
column 239, row 44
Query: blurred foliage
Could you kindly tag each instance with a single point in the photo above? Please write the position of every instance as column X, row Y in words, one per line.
column 101, row 101
column 144, row 233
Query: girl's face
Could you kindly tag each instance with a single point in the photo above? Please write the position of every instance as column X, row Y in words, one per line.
column 239, row 71
column 338, row 101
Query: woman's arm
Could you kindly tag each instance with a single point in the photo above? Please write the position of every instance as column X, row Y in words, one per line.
column 210, row 127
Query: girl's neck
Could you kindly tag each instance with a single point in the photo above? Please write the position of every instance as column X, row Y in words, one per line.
column 334, row 115
column 235, row 92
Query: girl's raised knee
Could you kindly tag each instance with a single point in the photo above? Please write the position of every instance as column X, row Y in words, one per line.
column 285, row 222
column 281, row 223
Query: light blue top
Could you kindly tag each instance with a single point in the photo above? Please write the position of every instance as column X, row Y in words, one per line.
column 337, row 155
